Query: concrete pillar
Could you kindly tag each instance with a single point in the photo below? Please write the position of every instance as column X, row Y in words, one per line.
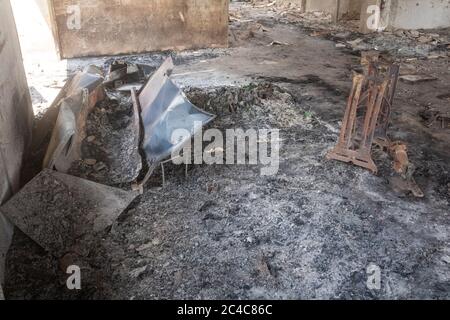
column 367, row 14
column 15, row 119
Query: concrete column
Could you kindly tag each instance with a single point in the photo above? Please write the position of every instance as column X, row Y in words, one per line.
column 15, row 120
column 367, row 14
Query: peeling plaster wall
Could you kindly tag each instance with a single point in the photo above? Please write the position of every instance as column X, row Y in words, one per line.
column 15, row 119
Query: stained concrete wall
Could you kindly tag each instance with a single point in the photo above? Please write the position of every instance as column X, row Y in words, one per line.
column 15, row 119
column 395, row 14
column 407, row 14
column 323, row 5
column 420, row 14
column 351, row 8
column 108, row 27
column 346, row 7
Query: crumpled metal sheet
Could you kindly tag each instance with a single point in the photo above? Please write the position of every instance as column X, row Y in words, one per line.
column 76, row 100
column 164, row 109
column 58, row 210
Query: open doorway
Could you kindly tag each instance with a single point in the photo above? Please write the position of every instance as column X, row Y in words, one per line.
column 46, row 73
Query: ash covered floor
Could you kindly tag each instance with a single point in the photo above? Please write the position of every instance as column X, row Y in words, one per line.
column 311, row 231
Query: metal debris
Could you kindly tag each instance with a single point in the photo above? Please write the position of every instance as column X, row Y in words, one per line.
column 121, row 73
column 76, row 100
column 399, row 152
column 367, row 115
column 402, row 166
column 164, row 109
column 438, row 116
column 159, row 109
column 57, row 210
column 414, row 79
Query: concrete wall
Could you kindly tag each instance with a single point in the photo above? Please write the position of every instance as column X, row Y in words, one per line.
column 396, row 14
column 346, row 7
column 420, row 14
column 15, row 119
column 108, row 27
column 407, row 14
column 322, row 5
column 351, row 8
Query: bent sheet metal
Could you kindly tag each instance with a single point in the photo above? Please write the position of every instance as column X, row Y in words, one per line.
column 77, row 99
column 165, row 109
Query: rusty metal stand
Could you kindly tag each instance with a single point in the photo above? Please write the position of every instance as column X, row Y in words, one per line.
column 381, row 137
column 366, row 117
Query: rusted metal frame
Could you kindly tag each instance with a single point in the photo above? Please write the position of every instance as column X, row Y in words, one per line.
column 373, row 95
column 381, row 137
column 366, row 144
column 347, row 150
column 350, row 113
column 351, row 147
column 374, row 114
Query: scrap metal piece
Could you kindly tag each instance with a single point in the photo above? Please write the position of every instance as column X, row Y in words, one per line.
column 415, row 79
column 405, row 181
column 165, row 109
column 57, row 210
column 76, row 100
column 121, row 73
column 399, row 152
column 357, row 134
column 438, row 116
